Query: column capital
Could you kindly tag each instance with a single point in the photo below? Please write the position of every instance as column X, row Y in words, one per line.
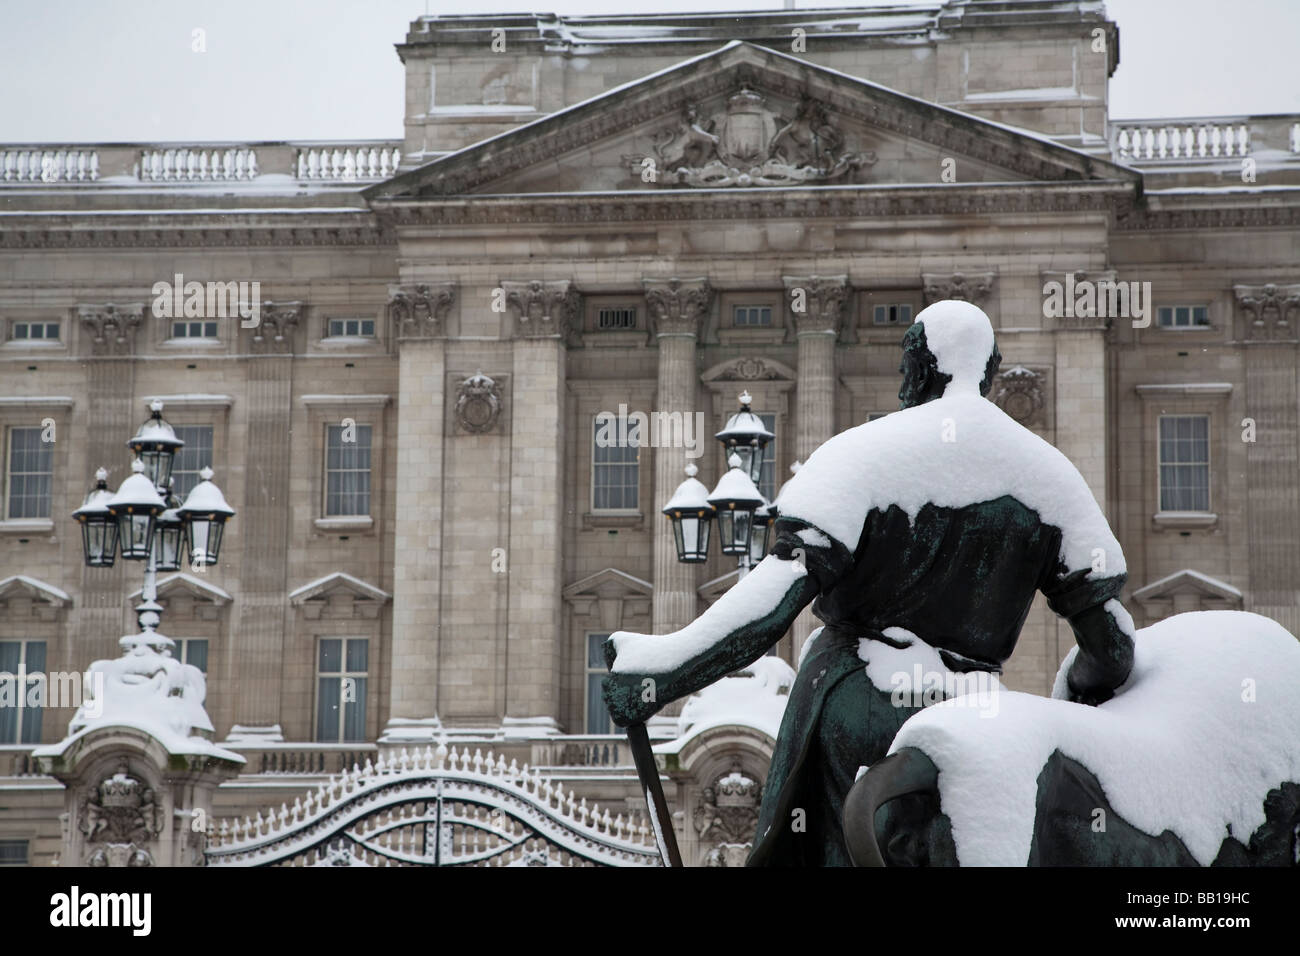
column 1267, row 311
column 974, row 288
column 419, row 311
column 113, row 327
column 677, row 306
column 277, row 322
column 816, row 303
column 544, row 309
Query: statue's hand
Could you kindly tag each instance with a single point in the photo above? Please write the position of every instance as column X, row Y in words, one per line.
column 630, row 697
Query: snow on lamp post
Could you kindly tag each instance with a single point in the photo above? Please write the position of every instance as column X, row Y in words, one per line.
column 205, row 513
column 98, row 527
column 145, row 522
column 746, row 436
column 735, row 499
column 690, row 512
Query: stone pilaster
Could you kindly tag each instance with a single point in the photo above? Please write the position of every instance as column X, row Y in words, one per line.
column 417, row 320
column 112, row 417
column 1267, row 323
column 816, row 305
column 677, row 308
column 546, row 314
column 256, row 657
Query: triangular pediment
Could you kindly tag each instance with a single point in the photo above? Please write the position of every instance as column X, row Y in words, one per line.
column 34, row 589
column 339, row 583
column 746, row 116
column 189, row 585
column 609, row 583
column 1207, row 590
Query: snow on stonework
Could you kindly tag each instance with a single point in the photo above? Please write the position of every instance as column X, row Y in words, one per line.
column 1206, row 725
column 753, row 697
column 145, row 689
column 954, row 451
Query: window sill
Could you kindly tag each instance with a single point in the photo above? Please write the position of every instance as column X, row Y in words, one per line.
column 27, row 526
column 36, row 344
column 349, row 341
column 1185, row 520
column 613, row 519
column 342, row 525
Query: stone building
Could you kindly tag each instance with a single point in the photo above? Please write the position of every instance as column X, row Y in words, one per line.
column 618, row 214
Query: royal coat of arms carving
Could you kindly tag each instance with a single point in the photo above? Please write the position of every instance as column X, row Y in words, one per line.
column 748, row 144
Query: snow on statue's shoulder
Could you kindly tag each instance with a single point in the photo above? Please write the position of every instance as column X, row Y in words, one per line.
column 951, row 452
column 1211, row 693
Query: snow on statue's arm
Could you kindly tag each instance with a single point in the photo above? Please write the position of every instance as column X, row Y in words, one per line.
column 648, row 672
column 1087, row 595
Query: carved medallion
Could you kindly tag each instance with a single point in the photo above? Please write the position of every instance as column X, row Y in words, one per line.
column 478, row 404
column 1018, row 391
column 727, row 816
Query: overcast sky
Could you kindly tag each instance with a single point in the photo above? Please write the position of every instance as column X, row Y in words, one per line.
column 124, row 71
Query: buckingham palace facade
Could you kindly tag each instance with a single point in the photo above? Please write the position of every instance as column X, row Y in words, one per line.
column 622, row 214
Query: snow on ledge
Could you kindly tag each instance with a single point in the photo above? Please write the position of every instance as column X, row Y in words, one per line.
column 47, row 592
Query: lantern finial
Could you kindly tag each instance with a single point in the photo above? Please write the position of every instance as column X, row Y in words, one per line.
column 733, row 461
column 746, row 398
column 101, row 474
column 205, row 473
column 156, row 406
column 137, row 466
column 691, row 470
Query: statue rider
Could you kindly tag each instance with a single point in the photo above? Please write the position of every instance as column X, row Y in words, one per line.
column 923, row 533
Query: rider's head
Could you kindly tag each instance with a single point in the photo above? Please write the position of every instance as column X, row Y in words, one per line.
column 949, row 348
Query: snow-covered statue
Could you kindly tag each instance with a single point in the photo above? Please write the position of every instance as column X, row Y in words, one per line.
column 921, row 538
column 1194, row 762
column 148, row 689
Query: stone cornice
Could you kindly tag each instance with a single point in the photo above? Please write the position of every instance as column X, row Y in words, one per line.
column 816, row 303
column 130, row 231
column 677, row 306
column 1221, row 215
column 827, row 202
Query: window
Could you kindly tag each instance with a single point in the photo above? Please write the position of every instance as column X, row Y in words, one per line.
column 894, row 313
column 1183, row 316
column 616, row 318
column 1185, row 463
column 13, row 852
column 750, row 316
column 341, row 676
column 20, row 723
column 351, row 328
column 194, row 330
column 347, row 470
column 615, row 464
column 30, row 472
column 598, row 719
column 35, row 332
column 191, row 650
column 191, row 459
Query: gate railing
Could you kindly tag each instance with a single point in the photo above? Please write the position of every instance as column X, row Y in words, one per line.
column 435, row 808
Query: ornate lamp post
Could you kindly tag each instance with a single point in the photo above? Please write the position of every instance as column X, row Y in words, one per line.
column 744, row 516
column 145, row 521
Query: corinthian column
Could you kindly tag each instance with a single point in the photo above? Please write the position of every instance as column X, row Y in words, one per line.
column 816, row 307
column 676, row 308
